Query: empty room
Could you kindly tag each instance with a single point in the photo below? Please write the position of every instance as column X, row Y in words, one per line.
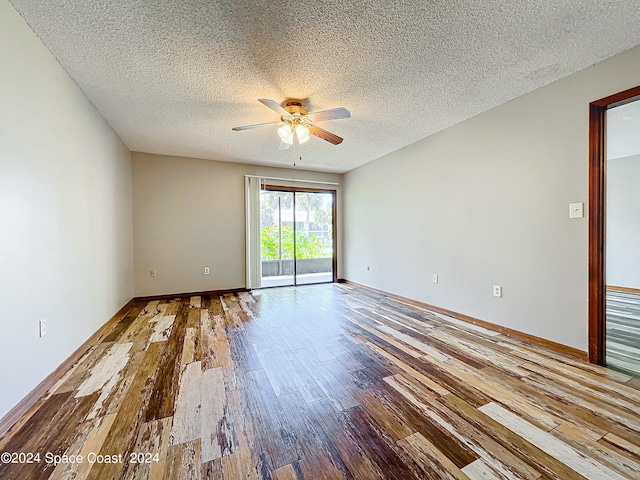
column 319, row 240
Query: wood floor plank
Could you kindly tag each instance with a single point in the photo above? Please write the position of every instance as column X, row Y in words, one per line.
column 63, row 384
column 271, row 424
column 83, row 369
column 624, row 445
column 272, row 363
column 388, row 419
column 318, row 456
column 92, row 444
column 431, row 460
column 160, row 311
column 162, row 329
column 122, row 326
column 212, row 469
column 215, row 429
column 183, row 461
column 412, row 372
column 245, row 458
column 357, row 462
column 188, row 350
column 165, row 388
column 285, row 473
column 478, row 470
column 383, row 451
column 157, row 443
column 187, row 419
column 196, row 301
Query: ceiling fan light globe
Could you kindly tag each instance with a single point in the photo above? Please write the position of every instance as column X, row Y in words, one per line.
column 285, row 132
column 302, row 132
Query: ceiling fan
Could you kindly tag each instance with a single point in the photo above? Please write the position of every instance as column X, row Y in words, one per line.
column 296, row 124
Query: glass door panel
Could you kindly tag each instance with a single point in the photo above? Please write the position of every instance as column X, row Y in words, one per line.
column 314, row 237
column 622, row 230
column 277, row 246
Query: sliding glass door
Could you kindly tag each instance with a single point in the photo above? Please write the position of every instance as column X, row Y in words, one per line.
column 297, row 236
column 314, row 237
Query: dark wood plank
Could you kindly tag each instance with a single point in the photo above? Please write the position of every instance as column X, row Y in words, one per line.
column 165, row 388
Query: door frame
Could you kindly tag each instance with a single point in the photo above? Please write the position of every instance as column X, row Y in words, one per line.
column 597, row 220
column 334, row 223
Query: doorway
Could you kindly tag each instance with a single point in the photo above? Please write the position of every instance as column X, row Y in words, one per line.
column 298, row 236
column 614, row 317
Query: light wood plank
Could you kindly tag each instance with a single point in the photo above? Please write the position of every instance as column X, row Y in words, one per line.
column 285, row 473
column 478, row 470
column 214, row 426
column 183, row 461
column 623, row 444
column 187, row 423
column 188, row 350
column 163, row 329
column 105, row 370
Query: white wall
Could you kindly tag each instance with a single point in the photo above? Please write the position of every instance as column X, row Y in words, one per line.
column 65, row 213
column 485, row 203
column 623, row 222
column 189, row 214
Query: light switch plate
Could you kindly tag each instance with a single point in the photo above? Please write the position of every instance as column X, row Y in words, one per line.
column 576, row 210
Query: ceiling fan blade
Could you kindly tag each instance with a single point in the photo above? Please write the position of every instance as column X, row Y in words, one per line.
column 332, row 114
column 255, row 125
column 283, row 146
column 324, row 135
column 273, row 105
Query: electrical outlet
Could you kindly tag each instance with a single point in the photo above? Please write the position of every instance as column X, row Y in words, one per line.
column 42, row 327
column 206, row 270
column 434, row 278
column 497, row 291
column 153, row 273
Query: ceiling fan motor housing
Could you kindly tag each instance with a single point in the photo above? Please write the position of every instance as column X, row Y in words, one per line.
column 294, row 106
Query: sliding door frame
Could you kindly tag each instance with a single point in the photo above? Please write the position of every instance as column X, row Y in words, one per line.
column 597, row 218
column 334, row 223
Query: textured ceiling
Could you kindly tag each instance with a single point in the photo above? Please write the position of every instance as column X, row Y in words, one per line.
column 174, row 77
column 623, row 131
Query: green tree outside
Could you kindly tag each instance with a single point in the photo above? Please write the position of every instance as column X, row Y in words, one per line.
column 305, row 247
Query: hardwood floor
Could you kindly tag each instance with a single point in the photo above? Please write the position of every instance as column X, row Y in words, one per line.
column 623, row 330
column 324, row 381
